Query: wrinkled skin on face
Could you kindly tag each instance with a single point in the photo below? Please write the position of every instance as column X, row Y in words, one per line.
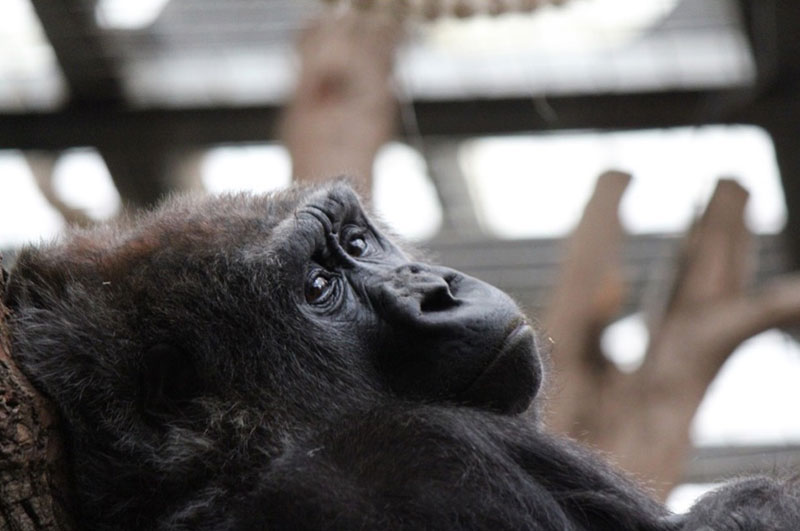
column 277, row 362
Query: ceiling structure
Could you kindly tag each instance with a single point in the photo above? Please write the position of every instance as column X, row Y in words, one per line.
column 202, row 53
column 201, row 72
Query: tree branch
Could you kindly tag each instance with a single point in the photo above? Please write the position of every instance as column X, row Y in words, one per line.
column 41, row 166
column 588, row 294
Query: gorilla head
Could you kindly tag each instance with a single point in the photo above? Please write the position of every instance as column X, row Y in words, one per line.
column 262, row 316
column 269, row 299
column 277, row 363
column 425, row 332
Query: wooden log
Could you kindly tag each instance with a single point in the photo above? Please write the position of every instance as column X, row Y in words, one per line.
column 33, row 489
column 642, row 419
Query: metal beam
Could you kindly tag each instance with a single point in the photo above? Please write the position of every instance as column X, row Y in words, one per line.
column 92, row 127
column 717, row 463
column 645, row 110
column 85, row 126
column 772, row 29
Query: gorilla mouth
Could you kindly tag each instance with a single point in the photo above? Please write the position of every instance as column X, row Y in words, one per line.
column 509, row 382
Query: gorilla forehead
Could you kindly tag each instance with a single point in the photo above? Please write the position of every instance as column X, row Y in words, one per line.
column 314, row 216
column 236, row 229
column 220, row 277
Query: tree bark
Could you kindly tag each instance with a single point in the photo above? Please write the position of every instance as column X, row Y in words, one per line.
column 33, row 490
column 643, row 418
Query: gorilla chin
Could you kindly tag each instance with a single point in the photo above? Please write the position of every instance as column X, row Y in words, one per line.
column 512, row 378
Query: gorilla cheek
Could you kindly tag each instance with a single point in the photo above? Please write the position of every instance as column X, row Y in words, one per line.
column 450, row 336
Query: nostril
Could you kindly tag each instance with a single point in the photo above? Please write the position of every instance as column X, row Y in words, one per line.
column 433, row 288
column 438, row 299
column 451, row 279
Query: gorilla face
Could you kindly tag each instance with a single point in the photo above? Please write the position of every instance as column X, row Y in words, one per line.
column 433, row 333
column 294, row 305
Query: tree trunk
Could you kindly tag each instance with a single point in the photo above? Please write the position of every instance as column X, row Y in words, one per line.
column 343, row 108
column 33, row 490
column 642, row 418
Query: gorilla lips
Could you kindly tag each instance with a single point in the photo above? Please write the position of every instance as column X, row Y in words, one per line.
column 510, row 381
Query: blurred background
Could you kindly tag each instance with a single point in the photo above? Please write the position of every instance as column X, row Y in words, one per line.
column 478, row 128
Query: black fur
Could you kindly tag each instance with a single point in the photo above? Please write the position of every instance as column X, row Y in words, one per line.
column 251, row 363
column 753, row 504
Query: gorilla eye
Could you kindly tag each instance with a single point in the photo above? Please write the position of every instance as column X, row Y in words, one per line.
column 319, row 288
column 356, row 246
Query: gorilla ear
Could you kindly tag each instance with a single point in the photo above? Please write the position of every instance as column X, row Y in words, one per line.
column 168, row 381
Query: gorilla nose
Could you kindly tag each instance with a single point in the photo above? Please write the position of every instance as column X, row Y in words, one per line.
column 431, row 287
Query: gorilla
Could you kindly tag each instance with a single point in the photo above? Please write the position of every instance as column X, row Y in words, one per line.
column 276, row 362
